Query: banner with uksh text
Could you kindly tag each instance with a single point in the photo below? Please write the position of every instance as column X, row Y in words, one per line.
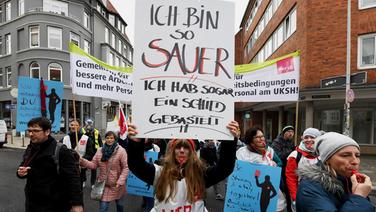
column 183, row 69
column 272, row 81
column 92, row 77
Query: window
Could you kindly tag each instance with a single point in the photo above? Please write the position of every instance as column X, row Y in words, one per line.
column 111, row 19
column 87, row 46
column 54, row 72
column 119, row 46
column 8, row 44
column 1, row 78
column 110, row 59
column 106, row 39
column 122, row 63
column 21, row 7
column 55, row 6
column 367, row 49
column 8, row 71
column 113, row 40
column 1, row 13
column 74, row 38
column 279, row 36
column 1, row 46
column 124, row 49
column 54, row 38
column 34, row 36
column 117, row 61
column 86, row 20
column 8, row 11
column 363, row 4
column 34, row 70
column 290, row 24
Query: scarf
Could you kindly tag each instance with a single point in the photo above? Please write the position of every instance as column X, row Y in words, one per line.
column 303, row 147
column 107, row 151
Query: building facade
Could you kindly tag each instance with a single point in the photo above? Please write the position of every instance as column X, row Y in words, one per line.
column 273, row 28
column 34, row 42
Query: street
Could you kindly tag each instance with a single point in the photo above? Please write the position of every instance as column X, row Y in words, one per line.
column 12, row 196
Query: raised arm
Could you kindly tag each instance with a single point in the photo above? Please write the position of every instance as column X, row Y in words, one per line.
column 225, row 166
column 136, row 162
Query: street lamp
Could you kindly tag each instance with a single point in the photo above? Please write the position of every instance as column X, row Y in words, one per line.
column 348, row 67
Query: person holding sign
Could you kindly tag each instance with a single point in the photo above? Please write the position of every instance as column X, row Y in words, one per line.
column 256, row 151
column 180, row 183
column 113, row 168
column 84, row 146
column 334, row 184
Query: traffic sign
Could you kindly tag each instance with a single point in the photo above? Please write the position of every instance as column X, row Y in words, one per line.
column 350, row 95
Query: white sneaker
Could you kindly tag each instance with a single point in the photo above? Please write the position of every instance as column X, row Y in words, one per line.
column 83, row 185
column 219, row 197
column 92, row 186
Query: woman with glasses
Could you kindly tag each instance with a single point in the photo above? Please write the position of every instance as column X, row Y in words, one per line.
column 256, row 151
column 303, row 155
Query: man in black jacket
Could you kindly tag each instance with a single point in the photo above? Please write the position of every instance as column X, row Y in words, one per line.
column 46, row 190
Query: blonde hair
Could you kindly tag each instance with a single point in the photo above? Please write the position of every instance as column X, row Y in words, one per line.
column 193, row 172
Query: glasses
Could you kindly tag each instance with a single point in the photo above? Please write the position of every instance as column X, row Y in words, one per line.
column 258, row 137
column 34, row 130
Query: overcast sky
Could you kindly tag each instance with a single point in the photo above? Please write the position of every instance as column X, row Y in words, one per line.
column 126, row 9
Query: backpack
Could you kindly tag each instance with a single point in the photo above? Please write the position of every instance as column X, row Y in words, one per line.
column 298, row 157
column 71, row 151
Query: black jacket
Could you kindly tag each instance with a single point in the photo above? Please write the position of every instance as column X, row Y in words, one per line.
column 45, row 190
column 209, row 155
column 213, row 174
column 282, row 148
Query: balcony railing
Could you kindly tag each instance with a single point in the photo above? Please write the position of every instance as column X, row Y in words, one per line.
column 40, row 9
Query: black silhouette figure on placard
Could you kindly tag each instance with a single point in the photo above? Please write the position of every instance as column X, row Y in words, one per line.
column 266, row 188
column 54, row 101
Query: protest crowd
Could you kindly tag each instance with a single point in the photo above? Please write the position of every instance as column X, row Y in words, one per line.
column 319, row 174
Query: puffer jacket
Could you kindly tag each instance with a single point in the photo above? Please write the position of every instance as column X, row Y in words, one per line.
column 320, row 191
column 117, row 175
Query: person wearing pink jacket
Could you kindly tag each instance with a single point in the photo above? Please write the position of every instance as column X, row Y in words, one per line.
column 114, row 157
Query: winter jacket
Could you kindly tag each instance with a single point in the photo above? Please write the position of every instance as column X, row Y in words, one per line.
column 46, row 190
column 209, row 155
column 117, row 175
column 319, row 191
column 149, row 173
column 270, row 158
column 292, row 165
column 90, row 146
column 282, row 148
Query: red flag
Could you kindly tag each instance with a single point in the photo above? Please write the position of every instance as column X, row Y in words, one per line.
column 122, row 124
column 43, row 98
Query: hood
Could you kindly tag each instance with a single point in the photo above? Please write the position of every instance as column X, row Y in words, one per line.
column 318, row 173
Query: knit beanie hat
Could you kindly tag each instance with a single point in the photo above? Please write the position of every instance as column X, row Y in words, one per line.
column 287, row 128
column 330, row 143
column 313, row 132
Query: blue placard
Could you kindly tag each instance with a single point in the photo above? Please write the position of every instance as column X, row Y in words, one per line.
column 28, row 102
column 244, row 193
column 138, row 187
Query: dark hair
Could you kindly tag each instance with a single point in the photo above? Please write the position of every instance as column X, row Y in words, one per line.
column 110, row 133
column 250, row 133
column 76, row 120
column 43, row 122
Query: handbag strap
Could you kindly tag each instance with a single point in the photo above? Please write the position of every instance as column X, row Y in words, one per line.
column 109, row 164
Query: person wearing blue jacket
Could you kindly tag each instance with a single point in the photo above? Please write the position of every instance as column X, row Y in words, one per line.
column 333, row 184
